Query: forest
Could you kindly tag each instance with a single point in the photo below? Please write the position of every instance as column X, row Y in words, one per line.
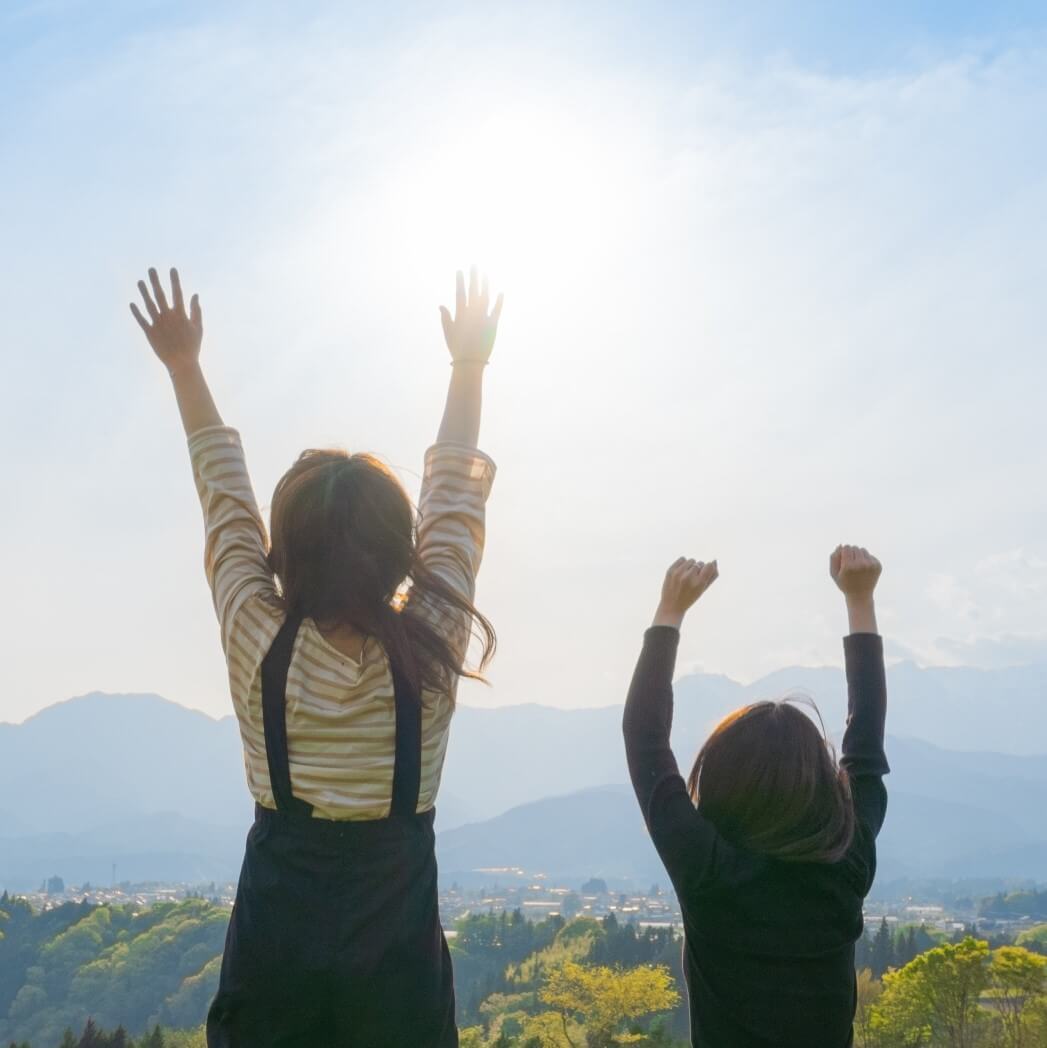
column 89, row 976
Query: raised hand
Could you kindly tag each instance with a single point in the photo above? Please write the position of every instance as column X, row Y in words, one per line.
column 470, row 334
column 856, row 571
column 174, row 335
column 685, row 581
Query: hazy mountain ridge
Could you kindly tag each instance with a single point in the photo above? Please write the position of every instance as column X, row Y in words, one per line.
column 152, row 785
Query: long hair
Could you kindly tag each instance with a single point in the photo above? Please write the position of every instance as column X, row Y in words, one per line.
column 344, row 550
column 768, row 781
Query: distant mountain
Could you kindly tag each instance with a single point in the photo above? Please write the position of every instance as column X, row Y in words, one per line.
column 161, row 847
column 600, row 833
column 500, row 758
column 593, row 833
column 100, row 758
column 157, row 788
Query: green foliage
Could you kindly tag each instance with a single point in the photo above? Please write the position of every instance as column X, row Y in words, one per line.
column 870, row 989
column 513, row 1012
column 940, row 990
column 1015, row 904
column 1034, row 938
column 957, row 995
column 604, row 999
column 117, row 965
column 1018, row 979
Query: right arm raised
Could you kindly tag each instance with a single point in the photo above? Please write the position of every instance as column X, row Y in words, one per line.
column 856, row 572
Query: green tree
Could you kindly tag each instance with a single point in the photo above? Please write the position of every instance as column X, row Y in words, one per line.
column 882, row 949
column 154, row 1039
column 604, row 999
column 1034, row 938
column 869, row 992
column 1018, row 979
column 571, row 905
column 935, row 995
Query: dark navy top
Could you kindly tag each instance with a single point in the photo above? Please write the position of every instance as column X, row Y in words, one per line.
column 769, row 945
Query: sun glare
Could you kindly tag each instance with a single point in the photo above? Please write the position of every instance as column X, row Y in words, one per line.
column 525, row 193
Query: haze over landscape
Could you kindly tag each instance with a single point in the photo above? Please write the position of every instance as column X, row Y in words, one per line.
column 159, row 789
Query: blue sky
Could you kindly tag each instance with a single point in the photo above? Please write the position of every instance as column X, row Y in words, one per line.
column 774, row 280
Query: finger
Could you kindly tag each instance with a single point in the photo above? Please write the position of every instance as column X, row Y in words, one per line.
column 473, row 288
column 708, row 575
column 196, row 314
column 677, row 563
column 497, row 311
column 176, row 291
column 459, row 293
column 835, row 560
column 150, row 307
column 142, row 322
column 158, row 291
column 485, row 294
column 448, row 325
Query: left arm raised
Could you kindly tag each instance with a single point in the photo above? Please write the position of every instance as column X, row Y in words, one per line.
column 235, row 544
column 176, row 337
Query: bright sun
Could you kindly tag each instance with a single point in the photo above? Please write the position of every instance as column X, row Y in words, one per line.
column 527, row 192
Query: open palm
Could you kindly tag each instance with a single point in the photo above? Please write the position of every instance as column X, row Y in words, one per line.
column 174, row 334
column 470, row 333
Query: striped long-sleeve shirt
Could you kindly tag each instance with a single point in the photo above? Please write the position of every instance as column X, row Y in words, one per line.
column 340, row 713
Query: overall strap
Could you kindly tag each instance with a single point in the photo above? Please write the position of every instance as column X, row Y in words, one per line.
column 407, row 767
column 274, row 718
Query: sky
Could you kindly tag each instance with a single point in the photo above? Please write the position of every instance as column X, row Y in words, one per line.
column 773, row 277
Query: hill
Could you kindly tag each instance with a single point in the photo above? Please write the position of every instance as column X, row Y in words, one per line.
column 159, row 789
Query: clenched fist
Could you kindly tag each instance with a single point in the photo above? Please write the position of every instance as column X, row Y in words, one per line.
column 685, row 581
column 855, row 570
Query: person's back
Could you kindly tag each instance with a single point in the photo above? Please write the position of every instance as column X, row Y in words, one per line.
column 772, row 863
column 345, row 637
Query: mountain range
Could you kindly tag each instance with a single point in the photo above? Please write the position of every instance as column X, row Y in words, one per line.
column 159, row 789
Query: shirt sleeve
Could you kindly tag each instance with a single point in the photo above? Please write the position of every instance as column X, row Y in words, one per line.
column 687, row 842
column 451, row 507
column 235, row 540
column 863, row 756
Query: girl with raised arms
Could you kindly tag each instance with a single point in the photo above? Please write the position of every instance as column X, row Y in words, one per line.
column 770, row 845
column 345, row 635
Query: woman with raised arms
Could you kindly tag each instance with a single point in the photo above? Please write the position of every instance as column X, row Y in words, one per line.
column 345, row 634
column 770, row 845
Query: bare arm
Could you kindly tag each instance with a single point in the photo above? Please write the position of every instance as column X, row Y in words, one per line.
column 470, row 338
column 856, row 571
column 176, row 337
column 235, row 544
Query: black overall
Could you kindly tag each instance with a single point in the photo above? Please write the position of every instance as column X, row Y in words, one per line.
column 335, row 937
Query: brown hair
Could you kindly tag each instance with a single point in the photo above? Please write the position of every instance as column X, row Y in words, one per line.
column 768, row 781
column 344, row 545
